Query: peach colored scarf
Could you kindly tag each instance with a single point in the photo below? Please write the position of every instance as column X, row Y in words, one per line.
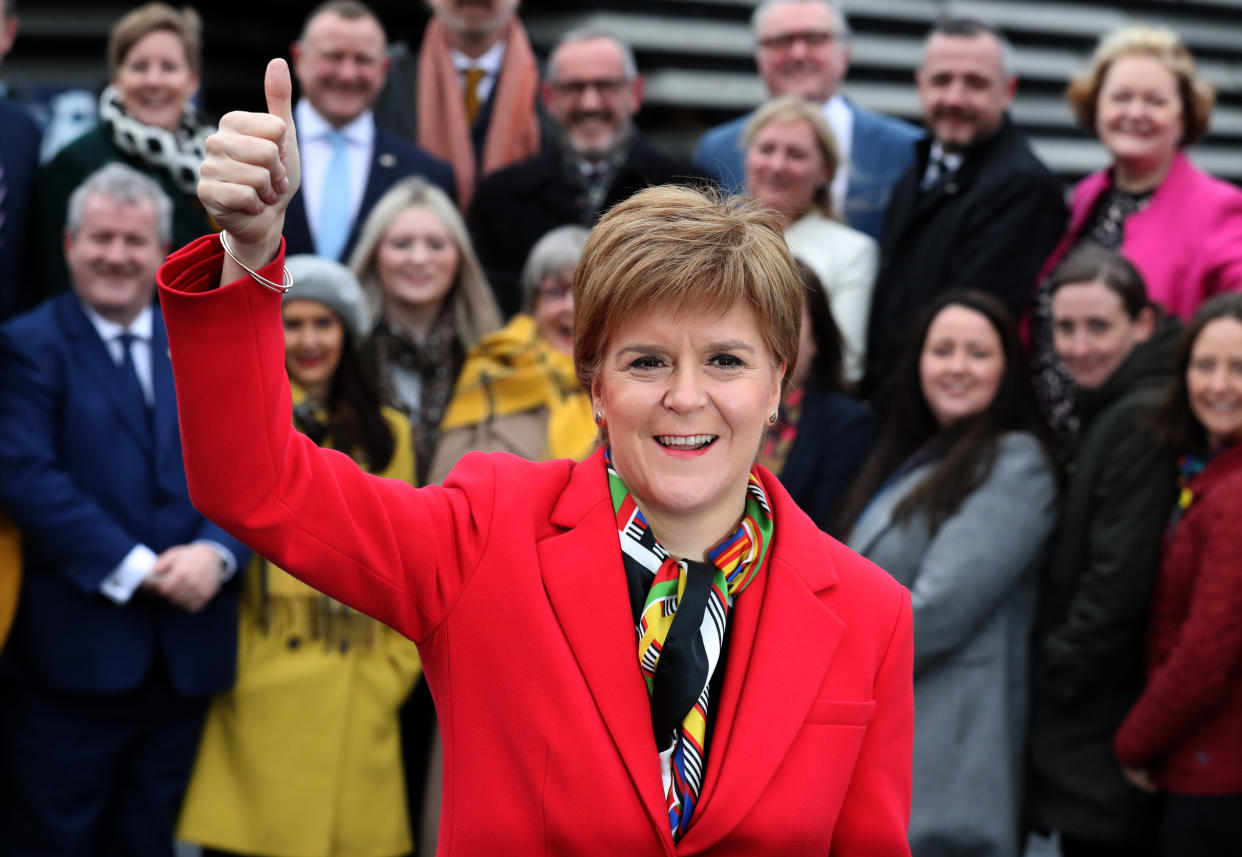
column 513, row 133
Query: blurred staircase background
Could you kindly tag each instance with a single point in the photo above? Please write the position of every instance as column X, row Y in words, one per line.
column 697, row 56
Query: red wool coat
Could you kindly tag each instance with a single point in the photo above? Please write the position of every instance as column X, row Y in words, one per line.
column 1187, row 724
column 509, row 578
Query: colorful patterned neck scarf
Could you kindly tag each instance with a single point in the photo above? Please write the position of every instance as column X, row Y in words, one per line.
column 678, row 656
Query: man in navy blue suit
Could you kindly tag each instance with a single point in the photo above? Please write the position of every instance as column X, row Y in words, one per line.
column 348, row 162
column 19, row 159
column 128, row 613
column 803, row 48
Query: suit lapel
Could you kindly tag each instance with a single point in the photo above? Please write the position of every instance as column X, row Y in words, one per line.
column 595, row 618
column 784, row 639
column 94, row 360
column 382, row 174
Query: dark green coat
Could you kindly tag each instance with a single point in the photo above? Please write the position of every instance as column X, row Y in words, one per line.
column 60, row 177
column 1090, row 628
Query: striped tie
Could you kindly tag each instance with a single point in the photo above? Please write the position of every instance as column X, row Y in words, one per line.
column 681, row 630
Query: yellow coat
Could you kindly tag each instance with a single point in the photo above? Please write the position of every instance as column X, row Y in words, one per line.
column 303, row 757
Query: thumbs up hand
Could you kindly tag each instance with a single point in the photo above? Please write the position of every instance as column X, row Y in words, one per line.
column 252, row 171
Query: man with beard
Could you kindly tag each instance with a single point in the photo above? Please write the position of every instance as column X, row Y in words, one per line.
column 803, row 48
column 595, row 159
column 977, row 209
column 347, row 162
column 470, row 94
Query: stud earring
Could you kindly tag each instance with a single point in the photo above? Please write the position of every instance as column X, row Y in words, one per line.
column 771, row 418
column 599, row 419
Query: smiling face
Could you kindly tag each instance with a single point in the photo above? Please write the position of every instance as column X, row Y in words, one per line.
column 963, row 88
column 1092, row 332
column 155, row 80
column 553, row 310
column 1214, row 380
column 314, row 337
column 784, row 167
column 114, row 255
column 800, row 51
column 961, row 365
column 1139, row 112
column 591, row 97
column 685, row 400
column 417, row 259
column 340, row 66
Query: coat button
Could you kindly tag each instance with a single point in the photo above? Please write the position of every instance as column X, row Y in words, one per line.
column 295, row 643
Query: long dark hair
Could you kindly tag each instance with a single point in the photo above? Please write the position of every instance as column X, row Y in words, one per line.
column 824, row 372
column 355, row 421
column 963, row 452
column 1174, row 423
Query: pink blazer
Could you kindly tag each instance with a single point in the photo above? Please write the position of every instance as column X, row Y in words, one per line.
column 509, row 578
column 1187, row 242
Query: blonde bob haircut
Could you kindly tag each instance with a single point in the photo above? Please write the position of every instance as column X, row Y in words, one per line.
column 685, row 251
column 136, row 25
column 795, row 108
column 1160, row 43
column 475, row 307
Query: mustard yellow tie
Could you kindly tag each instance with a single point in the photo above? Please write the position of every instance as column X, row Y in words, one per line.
column 474, row 76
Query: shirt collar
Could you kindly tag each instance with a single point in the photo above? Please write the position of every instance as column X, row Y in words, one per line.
column 312, row 126
column 489, row 62
column 141, row 327
column 952, row 160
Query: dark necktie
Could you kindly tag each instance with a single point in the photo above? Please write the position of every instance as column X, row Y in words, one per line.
column 129, row 376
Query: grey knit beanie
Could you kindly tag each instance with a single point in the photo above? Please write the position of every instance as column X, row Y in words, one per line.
column 333, row 285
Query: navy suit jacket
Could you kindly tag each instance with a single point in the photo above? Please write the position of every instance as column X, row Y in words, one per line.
column 86, row 477
column 835, row 435
column 392, row 160
column 881, row 149
column 19, row 155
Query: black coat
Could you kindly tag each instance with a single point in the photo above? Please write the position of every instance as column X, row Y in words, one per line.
column 1087, row 656
column 990, row 226
column 515, row 207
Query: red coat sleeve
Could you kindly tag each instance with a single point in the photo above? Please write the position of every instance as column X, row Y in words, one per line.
column 400, row 554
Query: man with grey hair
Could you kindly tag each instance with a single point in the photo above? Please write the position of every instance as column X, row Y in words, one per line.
column 976, row 209
column 348, row 162
column 19, row 160
column 802, row 47
column 594, row 159
column 127, row 620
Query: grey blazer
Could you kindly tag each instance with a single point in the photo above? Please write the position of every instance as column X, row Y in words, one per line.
column 973, row 588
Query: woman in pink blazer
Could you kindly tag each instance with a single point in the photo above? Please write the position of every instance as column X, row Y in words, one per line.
column 579, row 715
column 1179, row 226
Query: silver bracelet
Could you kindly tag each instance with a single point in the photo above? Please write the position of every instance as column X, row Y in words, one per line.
column 255, row 275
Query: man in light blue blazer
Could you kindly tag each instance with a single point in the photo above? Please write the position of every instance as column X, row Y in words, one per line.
column 802, row 47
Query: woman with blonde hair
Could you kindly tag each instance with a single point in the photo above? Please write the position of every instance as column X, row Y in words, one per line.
column 791, row 157
column 1142, row 98
column 518, row 392
column 147, row 120
column 426, row 289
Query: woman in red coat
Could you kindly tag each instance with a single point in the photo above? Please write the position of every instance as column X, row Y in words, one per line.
column 653, row 651
column 1183, row 733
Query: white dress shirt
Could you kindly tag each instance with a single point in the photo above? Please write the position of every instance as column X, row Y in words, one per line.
column 315, row 147
column 489, row 64
column 841, row 121
column 121, row 583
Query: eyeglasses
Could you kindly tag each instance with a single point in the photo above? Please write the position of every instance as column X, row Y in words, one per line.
column 812, row 39
column 606, row 87
column 555, row 292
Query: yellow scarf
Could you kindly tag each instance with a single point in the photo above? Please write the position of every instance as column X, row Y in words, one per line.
column 514, row 370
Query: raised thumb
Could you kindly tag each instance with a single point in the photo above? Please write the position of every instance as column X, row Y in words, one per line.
column 278, row 89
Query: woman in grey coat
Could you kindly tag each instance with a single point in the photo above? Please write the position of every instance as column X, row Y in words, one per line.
column 956, row 503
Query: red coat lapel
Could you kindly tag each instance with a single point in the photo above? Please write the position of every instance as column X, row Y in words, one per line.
column 585, row 582
column 783, row 641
